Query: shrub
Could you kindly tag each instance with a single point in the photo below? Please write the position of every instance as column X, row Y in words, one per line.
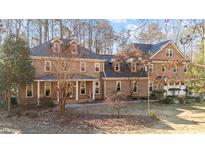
column 2, row 104
column 198, row 99
column 46, row 102
column 153, row 96
column 182, row 100
column 159, row 93
column 168, row 100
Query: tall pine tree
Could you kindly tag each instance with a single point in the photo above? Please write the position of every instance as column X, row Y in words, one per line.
column 16, row 70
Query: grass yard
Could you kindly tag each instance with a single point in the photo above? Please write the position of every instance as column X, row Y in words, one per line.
column 100, row 118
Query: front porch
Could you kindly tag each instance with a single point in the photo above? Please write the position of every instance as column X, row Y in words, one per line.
column 76, row 89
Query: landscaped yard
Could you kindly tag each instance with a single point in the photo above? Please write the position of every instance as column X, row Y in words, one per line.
column 100, row 118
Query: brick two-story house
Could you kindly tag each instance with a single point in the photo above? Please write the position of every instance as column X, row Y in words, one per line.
column 91, row 76
column 166, row 62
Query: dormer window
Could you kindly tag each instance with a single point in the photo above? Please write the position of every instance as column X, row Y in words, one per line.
column 117, row 66
column 169, row 53
column 56, row 47
column 74, row 49
column 133, row 67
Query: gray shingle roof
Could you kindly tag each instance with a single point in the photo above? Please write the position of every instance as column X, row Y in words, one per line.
column 72, row 77
column 124, row 71
column 45, row 49
column 150, row 48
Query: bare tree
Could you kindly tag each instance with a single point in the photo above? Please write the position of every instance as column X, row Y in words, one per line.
column 117, row 102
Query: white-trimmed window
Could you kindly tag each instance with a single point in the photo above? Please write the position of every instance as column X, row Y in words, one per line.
column 118, row 86
column 145, row 68
column 29, row 91
column 163, row 68
column 47, row 66
column 97, row 87
column 174, row 68
column 151, row 67
column 97, row 67
column 133, row 67
column 83, row 66
column 185, row 68
column 47, row 89
column 135, row 87
column 169, row 52
column 117, row 66
column 83, row 88
column 56, row 47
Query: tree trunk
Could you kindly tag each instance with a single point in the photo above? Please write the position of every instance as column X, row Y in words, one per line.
column 46, row 30
column 9, row 102
column 61, row 28
column 118, row 113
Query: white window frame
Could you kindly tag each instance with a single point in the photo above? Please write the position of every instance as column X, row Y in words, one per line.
column 163, row 66
column 185, row 67
column 151, row 68
column 65, row 63
column 169, row 52
column 174, row 67
column 81, row 66
column 151, row 85
column 117, row 86
column 45, row 64
column 31, row 91
column 45, row 88
column 137, row 86
column 117, row 63
column 81, row 83
column 97, row 65
column 97, row 87
column 133, row 67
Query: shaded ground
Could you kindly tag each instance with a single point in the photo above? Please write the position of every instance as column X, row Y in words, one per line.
column 100, row 118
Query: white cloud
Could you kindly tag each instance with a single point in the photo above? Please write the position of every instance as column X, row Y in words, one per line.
column 131, row 27
column 118, row 20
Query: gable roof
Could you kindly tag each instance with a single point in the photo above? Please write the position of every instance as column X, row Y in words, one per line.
column 45, row 50
column 150, row 48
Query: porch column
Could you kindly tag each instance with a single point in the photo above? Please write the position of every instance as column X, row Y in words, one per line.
column 58, row 91
column 38, row 92
column 93, row 90
column 76, row 91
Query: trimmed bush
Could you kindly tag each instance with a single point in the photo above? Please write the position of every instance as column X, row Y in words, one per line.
column 168, row 100
column 46, row 102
